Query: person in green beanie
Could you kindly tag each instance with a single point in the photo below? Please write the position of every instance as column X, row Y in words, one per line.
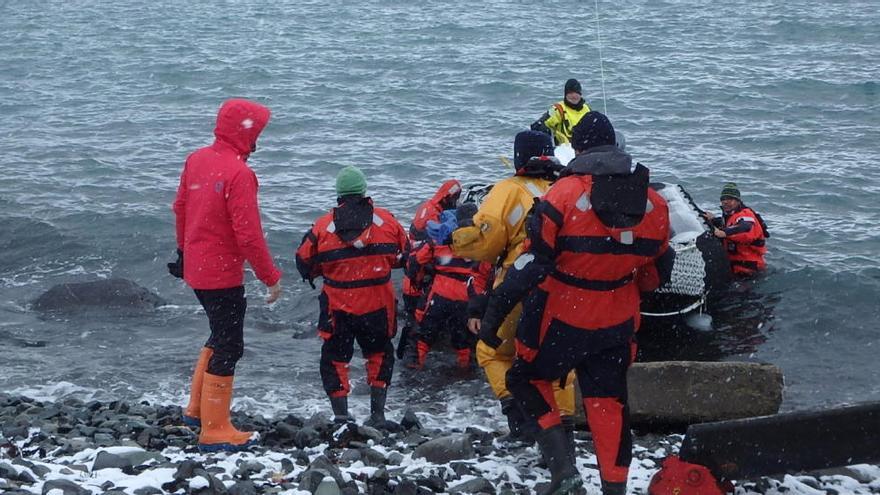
column 742, row 230
column 353, row 248
column 351, row 181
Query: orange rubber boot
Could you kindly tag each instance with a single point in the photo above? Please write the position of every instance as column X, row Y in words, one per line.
column 217, row 431
column 192, row 415
column 423, row 350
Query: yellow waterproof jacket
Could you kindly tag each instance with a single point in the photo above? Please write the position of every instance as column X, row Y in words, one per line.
column 563, row 119
column 499, row 225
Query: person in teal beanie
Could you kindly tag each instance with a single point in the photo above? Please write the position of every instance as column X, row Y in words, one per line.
column 351, row 181
column 353, row 248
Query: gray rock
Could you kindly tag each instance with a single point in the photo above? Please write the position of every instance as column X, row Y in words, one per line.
column 67, row 487
column 476, row 485
column 246, row 487
column 395, row 458
column 148, row 490
column 307, row 437
column 114, row 293
column 444, row 449
column 406, row 487
column 104, row 440
column 373, row 457
column 410, row 420
column 350, row 455
column 327, row 486
column 696, row 392
column 8, row 472
column 141, row 457
column 41, row 470
column 322, row 463
column 106, row 460
column 286, row 431
column 248, row 468
column 311, row 479
column 371, row 433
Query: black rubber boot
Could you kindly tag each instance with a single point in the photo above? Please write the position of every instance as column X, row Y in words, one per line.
column 377, row 405
column 522, row 428
column 565, row 477
column 340, row 409
column 609, row 488
column 568, row 426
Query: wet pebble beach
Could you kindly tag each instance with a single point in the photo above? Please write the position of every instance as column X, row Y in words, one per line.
column 73, row 447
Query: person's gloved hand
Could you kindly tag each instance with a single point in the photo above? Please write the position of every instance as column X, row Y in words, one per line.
column 539, row 126
column 176, row 268
column 440, row 231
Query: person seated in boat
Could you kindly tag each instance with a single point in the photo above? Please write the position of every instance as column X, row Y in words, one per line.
column 561, row 118
column 446, row 303
column 743, row 232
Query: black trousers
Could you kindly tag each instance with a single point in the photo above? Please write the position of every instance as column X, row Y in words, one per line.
column 374, row 338
column 225, row 309
column 444, row 315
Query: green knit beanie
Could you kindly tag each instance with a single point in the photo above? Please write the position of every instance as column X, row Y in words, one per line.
column 351, row 180
column 730, row 191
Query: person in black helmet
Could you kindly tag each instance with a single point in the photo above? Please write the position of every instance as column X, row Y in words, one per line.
column 561, row 118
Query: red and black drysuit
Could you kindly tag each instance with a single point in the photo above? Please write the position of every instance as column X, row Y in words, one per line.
column 445, row 307
column 354, row 248
column 746, row 241
column 444, row 199
column 597, row 238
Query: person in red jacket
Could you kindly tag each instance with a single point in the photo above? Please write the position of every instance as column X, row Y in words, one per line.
column 596, row 239
column 743, row 232
column 445, row 198
column 446, row 303
column 354, row 248
column 218, row 229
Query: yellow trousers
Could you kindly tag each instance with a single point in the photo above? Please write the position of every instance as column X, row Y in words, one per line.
column 496, row 362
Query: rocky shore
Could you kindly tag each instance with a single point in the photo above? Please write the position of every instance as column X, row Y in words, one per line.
column 72, row 447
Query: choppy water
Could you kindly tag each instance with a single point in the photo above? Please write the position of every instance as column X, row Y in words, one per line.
column 102, row 101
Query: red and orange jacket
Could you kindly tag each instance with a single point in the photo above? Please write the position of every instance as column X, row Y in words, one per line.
column 216, row 208
column 746, row 241
column 354, row 248
column 430, row 210
column 597, row 239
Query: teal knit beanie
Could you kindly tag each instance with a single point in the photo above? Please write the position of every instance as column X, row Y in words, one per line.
column 730, row 191
column 351, row 180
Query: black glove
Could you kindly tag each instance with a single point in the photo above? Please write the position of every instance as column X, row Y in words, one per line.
column 176, row 268
column 539, row 126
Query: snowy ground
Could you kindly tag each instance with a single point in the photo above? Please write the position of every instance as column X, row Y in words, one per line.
column 72, row 447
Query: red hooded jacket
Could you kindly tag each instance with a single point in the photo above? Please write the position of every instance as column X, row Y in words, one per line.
column 218, row 217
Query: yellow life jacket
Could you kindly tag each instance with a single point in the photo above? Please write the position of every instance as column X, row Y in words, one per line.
column 563, row 119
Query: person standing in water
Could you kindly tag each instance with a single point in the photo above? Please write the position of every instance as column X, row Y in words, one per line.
column 218, row 229
column 353, row 248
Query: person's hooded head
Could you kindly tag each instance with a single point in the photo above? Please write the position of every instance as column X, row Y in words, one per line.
column 593, row 130
column 350, row 181
column 239, row 124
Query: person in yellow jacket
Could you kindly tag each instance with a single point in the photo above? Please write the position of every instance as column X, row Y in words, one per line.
column 497, row 236
column 561, row 118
